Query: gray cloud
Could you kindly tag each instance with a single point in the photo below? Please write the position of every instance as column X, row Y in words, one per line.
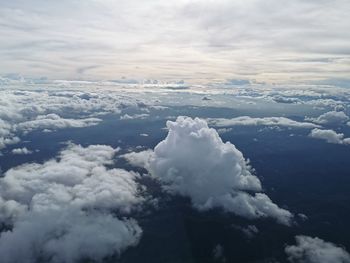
column 199, row 40
column 316, row 250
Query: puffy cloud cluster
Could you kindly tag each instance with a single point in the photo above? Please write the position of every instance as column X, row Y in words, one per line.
column 6, row 135
column 66, row 208
column 23, row 150
column 266, row 121
column 25, row 110
column 194, row 162
column 331, row 118
column 316, row 250
column 330, row 136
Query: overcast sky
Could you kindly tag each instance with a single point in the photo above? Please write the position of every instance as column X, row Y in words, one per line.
column 197, row 41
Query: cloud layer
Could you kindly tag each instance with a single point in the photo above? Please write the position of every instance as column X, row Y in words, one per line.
column 266, row 121
column 269, row 41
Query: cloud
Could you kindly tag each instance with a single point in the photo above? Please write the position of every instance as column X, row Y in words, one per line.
column 139, row 159
column 69, row 208
column 218, row 253
column 281, row 99
column 135, row 116
column 194, row 162
column 316, row 250
column 249, row 232
column 50, row 108
column 330, row 118
column 6, row 135
column 266, row 121
column 330, row 136
column 53, row 121
column 23, row 150
column 197, row 40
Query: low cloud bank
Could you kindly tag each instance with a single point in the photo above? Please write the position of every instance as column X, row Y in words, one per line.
column 68, row 208
column 193, row 161
column 316, row 250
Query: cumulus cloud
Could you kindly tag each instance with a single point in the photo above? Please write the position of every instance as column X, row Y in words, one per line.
column 281, row 99
column 6, row 135
column 139, row 159
column 23, row 150
column 330, row 118
column 316, row 250
column 330, row 136
column 266, row 121
column 194, row 162
column 69, row 208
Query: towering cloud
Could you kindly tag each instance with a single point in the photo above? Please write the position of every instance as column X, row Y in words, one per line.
column 68, row 208
column 193, row 161
column 316, row 250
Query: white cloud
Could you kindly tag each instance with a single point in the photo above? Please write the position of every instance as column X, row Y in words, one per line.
column 25, row 109
column 193, row 161
column 139, row 159
column 266, row 121
column 6, row 135
column 330, row 118
column 135, row 116
column 330, row 136
column 66, row 208
column 53, row 121
column 316, row 250
column 23, row 150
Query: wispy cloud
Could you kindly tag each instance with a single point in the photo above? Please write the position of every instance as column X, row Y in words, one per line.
column 194, row 40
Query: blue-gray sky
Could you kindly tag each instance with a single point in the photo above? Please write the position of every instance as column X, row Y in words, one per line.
column 197, row 41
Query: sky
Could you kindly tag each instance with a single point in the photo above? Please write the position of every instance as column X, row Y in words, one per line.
column 262, row 41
